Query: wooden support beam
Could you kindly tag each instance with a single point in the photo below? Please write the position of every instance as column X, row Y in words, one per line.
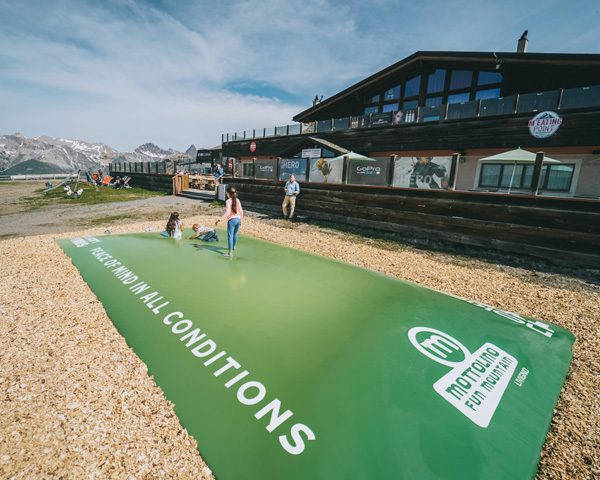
column 537, row 170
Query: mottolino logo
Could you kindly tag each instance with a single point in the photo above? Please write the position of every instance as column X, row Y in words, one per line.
column 477, row 381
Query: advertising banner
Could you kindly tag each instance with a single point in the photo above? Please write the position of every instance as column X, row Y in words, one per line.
column 545, row 124
column 292, row 166
column 381, row 119
column 326, row 170
column 422, row 172
column 368, row 172
column 265, row 169
column 360, row 377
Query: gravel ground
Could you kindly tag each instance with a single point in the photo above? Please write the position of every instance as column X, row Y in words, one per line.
column 77, row 402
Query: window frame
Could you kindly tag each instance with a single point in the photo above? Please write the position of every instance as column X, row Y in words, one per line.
column 544, row 186
column 421, row 96
column 518, row 185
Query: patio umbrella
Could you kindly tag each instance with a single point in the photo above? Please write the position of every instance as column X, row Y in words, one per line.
column 352, row 156
column 518, row 155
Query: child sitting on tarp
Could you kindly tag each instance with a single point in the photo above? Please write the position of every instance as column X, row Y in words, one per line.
column 204, row 233
column 174, row 227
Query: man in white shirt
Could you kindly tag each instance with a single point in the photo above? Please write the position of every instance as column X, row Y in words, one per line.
column 292, row 190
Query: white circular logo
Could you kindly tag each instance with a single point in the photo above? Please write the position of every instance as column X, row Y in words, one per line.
column 545, row 124
column 438, row 346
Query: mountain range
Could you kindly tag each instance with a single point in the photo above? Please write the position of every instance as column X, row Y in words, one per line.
column 20, row 154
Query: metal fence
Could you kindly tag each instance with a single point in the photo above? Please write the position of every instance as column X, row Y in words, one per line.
column 563, row 99
column 141, row 167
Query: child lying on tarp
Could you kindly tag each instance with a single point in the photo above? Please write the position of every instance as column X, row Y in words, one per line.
column 204, row 233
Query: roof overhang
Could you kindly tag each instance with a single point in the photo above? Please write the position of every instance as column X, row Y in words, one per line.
column 487, row 59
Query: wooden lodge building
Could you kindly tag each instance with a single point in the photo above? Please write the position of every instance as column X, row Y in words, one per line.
column 498, row 150
column 444, row 104
column 494, row 150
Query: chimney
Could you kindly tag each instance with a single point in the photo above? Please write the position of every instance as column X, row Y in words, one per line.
column 522, row 43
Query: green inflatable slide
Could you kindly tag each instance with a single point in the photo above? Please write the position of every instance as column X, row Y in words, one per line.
column 289, row 366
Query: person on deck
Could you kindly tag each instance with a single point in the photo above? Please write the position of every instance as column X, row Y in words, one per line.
column 218, row 174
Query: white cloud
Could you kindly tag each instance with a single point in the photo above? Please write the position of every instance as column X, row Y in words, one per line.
column 126, row 72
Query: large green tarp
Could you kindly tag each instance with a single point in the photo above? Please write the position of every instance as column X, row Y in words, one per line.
column 285, row 365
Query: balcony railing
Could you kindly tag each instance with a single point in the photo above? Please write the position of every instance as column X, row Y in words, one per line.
column 563, row 99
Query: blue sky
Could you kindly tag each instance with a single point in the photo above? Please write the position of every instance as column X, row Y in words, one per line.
column 177, row 72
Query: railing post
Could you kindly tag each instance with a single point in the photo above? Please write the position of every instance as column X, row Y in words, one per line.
column 453, row 169
column 537, row 170
column 560, row 95
column 345, row 169
column 390, row 179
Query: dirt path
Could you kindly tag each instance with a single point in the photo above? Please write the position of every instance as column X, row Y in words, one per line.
column 18, row 219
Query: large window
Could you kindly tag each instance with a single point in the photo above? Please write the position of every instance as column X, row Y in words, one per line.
column 487, row 94
column 488, row 78
column 433, row 101
column 392, row 94
column 458, row 98
column 460, row 79
column 438, row 87
column 490, row 175
column 497, row 175
column 410, row 104
column 411, row 87
column 435, row 82
column 556, row 178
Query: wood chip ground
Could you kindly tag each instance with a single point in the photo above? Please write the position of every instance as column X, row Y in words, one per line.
column 78, row 403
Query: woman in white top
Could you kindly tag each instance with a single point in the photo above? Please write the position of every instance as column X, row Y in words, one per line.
column 174, row 226
column 233, row 216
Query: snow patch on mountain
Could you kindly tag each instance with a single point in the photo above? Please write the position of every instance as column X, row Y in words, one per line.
column 66, row 155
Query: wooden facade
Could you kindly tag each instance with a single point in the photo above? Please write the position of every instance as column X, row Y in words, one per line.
column 580, row 128
column 561, row 231
column 521, row 73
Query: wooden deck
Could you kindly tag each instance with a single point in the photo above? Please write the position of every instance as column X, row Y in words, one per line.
column 561, row 231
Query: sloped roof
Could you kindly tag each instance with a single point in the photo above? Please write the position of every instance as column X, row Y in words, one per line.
column 301, row 143
column 329, row 145
column 562, row 59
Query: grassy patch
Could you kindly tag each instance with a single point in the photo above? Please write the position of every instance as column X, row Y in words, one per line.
column 109, row 219
column 89, row 196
